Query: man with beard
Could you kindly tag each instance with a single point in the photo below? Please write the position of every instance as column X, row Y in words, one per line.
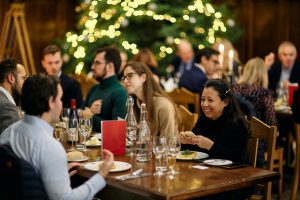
column 52, row 62
column 12, row 77
column 106, row 100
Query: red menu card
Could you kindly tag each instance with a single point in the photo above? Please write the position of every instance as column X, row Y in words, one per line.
column 292, row 88
column 114, row 136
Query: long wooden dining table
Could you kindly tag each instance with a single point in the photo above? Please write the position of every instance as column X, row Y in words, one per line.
column 189, row 183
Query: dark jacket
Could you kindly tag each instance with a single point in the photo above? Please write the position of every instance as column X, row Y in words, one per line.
column 72, row 90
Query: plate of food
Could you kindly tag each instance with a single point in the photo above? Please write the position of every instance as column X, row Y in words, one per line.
column 217, row 162
column 76, row 156
column 118, row 166
column 93, row 142
column 191, row 155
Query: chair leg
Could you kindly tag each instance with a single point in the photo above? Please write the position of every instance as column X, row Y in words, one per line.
column 296, row 178
column 280, row 169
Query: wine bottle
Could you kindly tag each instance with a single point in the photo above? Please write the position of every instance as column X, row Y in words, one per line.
column 73, row 122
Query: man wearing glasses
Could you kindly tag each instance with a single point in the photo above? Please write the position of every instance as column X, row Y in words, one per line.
column 106, row 100
column 12, row 77
column 206, row 65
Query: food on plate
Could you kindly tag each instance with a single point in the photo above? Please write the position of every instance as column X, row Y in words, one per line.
column 187, row 134
column 93, row 141
column 74, row 155
column 187, row 154
column 114, row 166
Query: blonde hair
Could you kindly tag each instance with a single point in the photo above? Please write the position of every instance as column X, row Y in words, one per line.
column 255, row 73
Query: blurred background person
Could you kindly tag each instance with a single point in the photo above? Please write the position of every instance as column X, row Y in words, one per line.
column 253, row 86
column 284, row 71
column 52, row 62
column 205, row 66
column 146, row 56
column 12, row 77
column 124, row 59
column 161, row 111
column 184, row 59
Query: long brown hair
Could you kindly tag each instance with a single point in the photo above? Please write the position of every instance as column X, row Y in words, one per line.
column 145, row 56
column 150, row 89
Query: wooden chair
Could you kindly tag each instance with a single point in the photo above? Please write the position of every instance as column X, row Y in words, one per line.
column 297, row 164
column 187, row 119
column 182, row 96
column 260, row 130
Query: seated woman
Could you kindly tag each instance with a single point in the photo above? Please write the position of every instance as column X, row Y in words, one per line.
column 221, row 130
column 139, row 82
column 253, row 85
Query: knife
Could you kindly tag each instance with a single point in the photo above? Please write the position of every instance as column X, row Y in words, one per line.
column 127, row 177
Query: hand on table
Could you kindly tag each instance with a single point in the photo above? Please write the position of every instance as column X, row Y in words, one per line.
column 108, row 161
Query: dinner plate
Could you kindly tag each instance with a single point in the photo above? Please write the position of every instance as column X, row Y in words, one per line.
column 217, row 162
column 118, row 166
column 200, row 155
column 83, row 158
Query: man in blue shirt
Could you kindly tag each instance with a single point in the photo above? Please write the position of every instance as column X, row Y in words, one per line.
column 32, row 140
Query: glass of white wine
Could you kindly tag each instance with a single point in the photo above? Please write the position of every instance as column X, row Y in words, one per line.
column 173, row 150
column 58, row 131
column 85, row 129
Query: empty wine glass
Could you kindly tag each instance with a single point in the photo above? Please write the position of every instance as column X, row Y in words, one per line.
column 160, row 150
column 73, row 131
column 85, row 129
column 173, row 150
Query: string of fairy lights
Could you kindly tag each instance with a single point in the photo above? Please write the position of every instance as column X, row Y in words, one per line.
column 132, row 8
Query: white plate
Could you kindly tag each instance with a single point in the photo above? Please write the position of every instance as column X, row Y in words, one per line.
column 119, row 166
column 217, row 162
column 200, row 155
column 83, row 158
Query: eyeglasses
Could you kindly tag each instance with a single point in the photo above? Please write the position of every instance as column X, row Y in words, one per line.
column 24, row 77
column 128, row 76
column 98, row 62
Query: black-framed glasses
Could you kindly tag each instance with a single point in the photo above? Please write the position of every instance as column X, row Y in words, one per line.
column 128, row 76
column 24, row 77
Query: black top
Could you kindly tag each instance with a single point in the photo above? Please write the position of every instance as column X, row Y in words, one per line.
column 230, row 141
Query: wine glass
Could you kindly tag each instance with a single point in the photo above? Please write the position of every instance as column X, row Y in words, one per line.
column 160, row 150
column 73, row 131
column 85, row 129
column 173, row 150
column 65, row 116
column 58, row 131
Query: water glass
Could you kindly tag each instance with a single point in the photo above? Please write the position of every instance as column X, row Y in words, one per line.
column 160, row 151
column 173, row 149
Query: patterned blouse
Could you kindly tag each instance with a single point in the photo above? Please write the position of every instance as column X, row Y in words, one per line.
column 262, row 100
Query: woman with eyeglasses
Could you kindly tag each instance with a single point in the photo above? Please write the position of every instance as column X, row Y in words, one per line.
column 161, row 111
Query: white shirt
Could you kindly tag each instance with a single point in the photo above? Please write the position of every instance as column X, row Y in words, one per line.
column 31, row 139
column 8, row 95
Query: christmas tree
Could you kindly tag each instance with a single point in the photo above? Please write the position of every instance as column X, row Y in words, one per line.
column 156, row 24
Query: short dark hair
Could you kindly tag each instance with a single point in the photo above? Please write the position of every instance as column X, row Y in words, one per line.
column 7, row 66
column 207, row 52
column 112, row 55
column 36, row 93
column 50, row 49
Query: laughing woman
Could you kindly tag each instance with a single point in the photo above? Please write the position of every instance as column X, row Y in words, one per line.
column 221, row 129
column 161, row 115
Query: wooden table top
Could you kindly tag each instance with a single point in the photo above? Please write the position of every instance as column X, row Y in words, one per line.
column 189, row 183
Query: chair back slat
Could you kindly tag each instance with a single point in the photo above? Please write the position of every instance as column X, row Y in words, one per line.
column 187, row 119
column 260, row 130
column 182, row 96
